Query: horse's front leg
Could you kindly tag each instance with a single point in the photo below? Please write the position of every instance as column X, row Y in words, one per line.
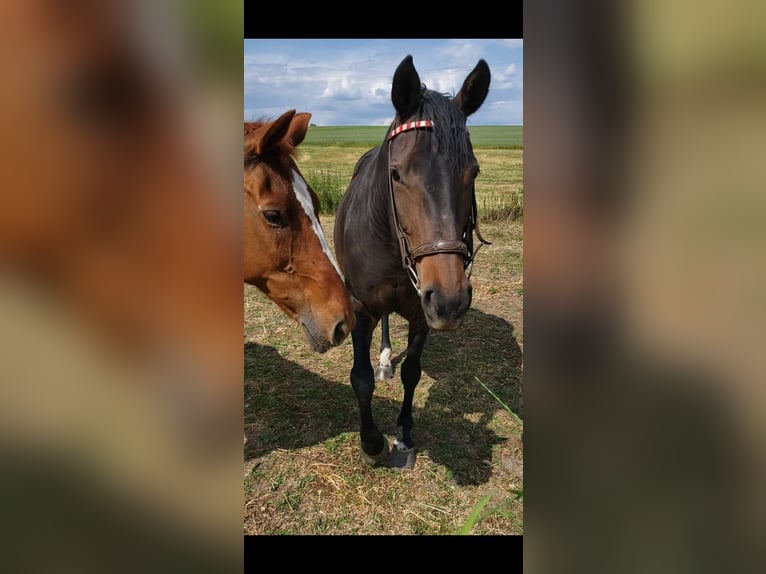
column 410, row 373
column 373, row 444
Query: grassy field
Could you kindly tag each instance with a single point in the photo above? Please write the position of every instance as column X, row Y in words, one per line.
column 328, row 155
column 303, row 473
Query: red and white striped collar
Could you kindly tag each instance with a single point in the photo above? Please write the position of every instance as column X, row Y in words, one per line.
column 410, row 126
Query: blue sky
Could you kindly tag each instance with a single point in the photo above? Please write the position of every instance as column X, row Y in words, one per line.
column 347, row 82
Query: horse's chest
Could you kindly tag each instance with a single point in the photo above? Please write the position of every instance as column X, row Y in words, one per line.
column 386, row 297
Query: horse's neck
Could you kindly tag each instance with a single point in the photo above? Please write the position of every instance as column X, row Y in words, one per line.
column 380, row 197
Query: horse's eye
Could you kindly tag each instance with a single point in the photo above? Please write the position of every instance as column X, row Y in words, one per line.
column 395, row 174
column 274, row 217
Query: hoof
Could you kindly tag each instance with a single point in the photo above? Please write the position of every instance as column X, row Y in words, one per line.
column 373, row 460
column 402, row 458
column 384, row 373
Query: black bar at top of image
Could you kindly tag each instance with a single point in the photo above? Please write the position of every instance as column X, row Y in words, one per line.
column 265, row 20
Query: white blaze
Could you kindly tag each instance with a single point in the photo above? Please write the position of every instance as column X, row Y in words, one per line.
column 304, row 198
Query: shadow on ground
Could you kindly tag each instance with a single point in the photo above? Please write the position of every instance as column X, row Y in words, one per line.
column 288, row 406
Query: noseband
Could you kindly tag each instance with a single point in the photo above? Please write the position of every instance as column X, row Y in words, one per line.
column 410, row 256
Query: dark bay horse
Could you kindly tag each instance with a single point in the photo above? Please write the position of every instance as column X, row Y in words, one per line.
column 404, row 236
column 285, row 251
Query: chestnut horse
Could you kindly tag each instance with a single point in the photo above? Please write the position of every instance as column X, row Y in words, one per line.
column 286, row 253
column 404, row 236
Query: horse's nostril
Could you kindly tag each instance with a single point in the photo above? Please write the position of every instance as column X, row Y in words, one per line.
column 428, row 296
column 339, row 333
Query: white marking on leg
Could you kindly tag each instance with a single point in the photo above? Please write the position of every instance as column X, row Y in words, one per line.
column 385, row 358
column 400, row 446
column 304, row 198
column 398, row 443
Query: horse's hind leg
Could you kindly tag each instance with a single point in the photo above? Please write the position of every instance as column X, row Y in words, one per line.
column 384, row 370
column 410, row 372
column 373, row 443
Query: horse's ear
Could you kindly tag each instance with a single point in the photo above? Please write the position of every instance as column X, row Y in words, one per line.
column 474, row 90
column 275, row 132
column 405, row 89
column 298, row 128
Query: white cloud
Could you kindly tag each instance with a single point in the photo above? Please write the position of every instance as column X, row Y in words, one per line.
column 508, row 78
column 461, row 53
column 513, row 43
column 446, row 81
column 341, row 89
column 349, row 83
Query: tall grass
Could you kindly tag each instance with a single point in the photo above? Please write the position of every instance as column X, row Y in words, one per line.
column 329, row 188
column 492, row 206
column 329, row 161
column 496, row 206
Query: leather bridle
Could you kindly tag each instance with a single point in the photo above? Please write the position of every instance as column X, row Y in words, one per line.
column 463, row 247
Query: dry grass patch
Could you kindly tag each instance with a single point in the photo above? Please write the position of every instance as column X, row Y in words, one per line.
column 303, row 473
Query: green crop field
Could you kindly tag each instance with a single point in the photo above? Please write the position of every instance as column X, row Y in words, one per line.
column 503, row 137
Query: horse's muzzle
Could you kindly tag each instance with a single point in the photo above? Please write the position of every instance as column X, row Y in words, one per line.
column 323, row 338
column 445, row 311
